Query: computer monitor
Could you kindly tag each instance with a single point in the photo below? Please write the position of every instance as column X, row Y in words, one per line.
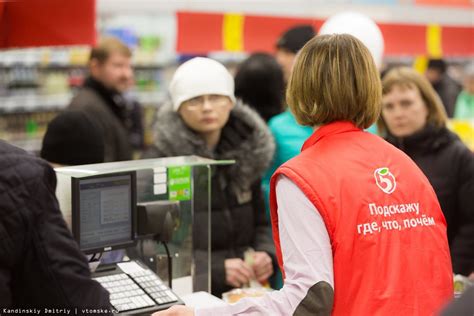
column 104, row 211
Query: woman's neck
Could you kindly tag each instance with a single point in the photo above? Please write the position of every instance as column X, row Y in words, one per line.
column 212, row 138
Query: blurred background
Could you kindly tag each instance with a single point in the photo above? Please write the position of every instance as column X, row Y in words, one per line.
column 44, row 45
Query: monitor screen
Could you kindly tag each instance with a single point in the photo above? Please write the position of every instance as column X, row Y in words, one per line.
column 103, row 211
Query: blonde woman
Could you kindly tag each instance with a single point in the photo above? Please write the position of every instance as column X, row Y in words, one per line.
column 414, row 120
column 345, row 211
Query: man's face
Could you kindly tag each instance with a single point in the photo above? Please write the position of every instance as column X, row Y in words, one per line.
column 115, row 73
column 433, row 75
column 286, row 60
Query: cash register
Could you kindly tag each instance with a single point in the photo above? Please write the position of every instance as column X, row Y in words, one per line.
column 103, row 219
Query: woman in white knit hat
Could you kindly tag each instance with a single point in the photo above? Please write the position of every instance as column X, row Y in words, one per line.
column 204, row 119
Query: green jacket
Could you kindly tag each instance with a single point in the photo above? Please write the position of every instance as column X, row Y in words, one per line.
column 464, row 106
column 289, row 138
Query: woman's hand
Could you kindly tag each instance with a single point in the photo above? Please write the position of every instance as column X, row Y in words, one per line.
column 237, row 272
column 262, row 266
column 176, row 310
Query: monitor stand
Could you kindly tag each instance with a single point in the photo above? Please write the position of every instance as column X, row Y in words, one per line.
column 93, row 266
column 105, row 267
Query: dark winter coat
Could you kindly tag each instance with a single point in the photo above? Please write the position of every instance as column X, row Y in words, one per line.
column 449, row 166
column 119, row 119
column 40, row 263
column 238, row 211
column 448, row 90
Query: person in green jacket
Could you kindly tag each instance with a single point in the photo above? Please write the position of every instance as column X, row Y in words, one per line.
column 288, row 134
column 465, row 102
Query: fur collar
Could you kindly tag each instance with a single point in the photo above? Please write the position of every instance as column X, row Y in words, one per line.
column 253, row 151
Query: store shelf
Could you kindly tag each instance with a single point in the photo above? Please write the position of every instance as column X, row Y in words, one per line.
column 36, row 102
column 71, row 66
column 33, row 103
column 151, row 98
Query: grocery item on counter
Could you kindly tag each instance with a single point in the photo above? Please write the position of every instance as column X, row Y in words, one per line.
column 235, row 295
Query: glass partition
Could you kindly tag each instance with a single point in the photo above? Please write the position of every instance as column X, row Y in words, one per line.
column 185, row 180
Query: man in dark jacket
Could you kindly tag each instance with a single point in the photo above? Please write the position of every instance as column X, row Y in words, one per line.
column 41, row 265
column 101, row 97
column 288, row 45
column 446, row 87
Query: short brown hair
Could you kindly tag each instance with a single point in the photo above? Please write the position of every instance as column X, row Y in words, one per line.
column 409, row 78
column 335, row 79
column 108, row 46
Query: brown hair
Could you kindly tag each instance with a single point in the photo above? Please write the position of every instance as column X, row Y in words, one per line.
column 108, row 46
column 335, row 79
column 408, row 78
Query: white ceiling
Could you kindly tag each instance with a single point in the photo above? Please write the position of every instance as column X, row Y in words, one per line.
column 406, row 13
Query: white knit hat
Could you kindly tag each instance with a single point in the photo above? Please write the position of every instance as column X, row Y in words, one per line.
column 200, row 76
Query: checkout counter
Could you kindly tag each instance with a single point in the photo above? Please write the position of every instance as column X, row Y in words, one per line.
column 155, row 214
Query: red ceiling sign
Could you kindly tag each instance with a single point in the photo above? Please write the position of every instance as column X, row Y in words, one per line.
column 413, row 41
column 29, row 23
column 448, row 3
column 203, row 33
column 207, row 27
column 458, row 41
column 261, row 33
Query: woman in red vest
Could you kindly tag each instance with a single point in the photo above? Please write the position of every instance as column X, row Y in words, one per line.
column 356, row 224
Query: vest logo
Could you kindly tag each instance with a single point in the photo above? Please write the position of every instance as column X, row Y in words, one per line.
column 385, row 180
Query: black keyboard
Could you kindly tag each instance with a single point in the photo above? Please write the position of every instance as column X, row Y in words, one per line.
column 136, row 292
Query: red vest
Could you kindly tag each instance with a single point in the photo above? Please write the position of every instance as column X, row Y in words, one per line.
column 387, row 231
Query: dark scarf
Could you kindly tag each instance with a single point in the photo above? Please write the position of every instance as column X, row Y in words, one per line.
column 114, row 99
column 127, row 111
column 429, row 139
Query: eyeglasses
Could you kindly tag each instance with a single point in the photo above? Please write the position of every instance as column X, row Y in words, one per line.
column 212, row 99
